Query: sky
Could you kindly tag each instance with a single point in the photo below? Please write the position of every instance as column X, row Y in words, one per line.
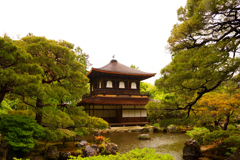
column 135, row 31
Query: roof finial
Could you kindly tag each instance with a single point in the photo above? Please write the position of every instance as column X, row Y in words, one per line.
column 113, row 56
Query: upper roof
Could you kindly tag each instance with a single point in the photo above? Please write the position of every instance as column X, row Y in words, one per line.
column 117, row 68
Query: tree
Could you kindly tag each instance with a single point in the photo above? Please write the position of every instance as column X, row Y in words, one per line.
column 220, row 106
column 83, row 58
column 134, row 67
column 62, row 79
column 204, row 48
column 15, row 69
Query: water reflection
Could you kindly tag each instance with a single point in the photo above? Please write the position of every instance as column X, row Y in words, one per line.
column 164, row 143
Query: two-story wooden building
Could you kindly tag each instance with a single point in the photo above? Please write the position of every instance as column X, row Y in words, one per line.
column 115, row 94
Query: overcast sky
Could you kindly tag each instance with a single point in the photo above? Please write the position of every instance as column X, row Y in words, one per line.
column 135, row 31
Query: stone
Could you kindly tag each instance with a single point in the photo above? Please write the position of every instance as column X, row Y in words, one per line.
column 150, row 129
column 81, row 144
column 77, row 139
column 64, row 155
column 95, row 147
column 112, row 148
column 52, row 153
column 144, row 137
column 172, row 129
column 89, row 151
column 146, row 129
column 191, row 150
column 156, row 129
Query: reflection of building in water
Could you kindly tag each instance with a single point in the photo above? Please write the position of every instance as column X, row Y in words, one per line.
column 115, row 94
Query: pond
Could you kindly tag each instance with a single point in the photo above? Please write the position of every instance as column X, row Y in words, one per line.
column 164, row 143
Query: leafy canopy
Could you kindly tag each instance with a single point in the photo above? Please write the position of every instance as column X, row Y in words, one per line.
column 204, row 48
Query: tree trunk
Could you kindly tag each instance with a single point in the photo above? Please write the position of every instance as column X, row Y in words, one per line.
column 2, row 94
column 39, row 114
column 215, row 123
column 3, row 150
column 225, row 124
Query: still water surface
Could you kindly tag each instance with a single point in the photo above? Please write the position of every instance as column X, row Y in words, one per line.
column 164, row 143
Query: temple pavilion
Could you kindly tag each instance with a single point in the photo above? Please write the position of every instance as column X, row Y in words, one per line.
column 115, row 94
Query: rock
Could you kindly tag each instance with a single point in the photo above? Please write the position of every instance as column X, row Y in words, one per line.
column 81, row 144
column 64, row 155
column 112, row 148
column 77, row 140
column 156, row 129
column 172, row 129
column 144, row 137
column 52, row 153
column 146, row 129
column 235, row 155
column 191, row 150
column 150, row 129
column 95, row 147
column 158, row 120
column 89, row 151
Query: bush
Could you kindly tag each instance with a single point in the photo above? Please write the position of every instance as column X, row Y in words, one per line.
column 216, row 136
column 136, row 154
column 97, row 123
column 198, row 134
column 20, row 132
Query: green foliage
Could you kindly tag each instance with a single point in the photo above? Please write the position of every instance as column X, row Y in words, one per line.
column 154, row 92
column 82, row 131
column 16, row 69
column 62, row 79
column 56, row 118
column 216, row 136
column 50, row 136
column 202, row 58
column 79, row 116
column 4, row 108
column 65, row 135
column 28, row 112
column 177, row 121
column 20, row 132
column 156, row 125
column 198, row 134
column 97, row 123
column 134, row 67
column 143, row 154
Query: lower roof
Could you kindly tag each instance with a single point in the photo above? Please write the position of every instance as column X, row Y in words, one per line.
column 115, row 100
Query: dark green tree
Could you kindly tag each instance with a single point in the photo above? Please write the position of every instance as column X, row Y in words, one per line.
column 15, row 69
column 62, row 79
column 204, row 48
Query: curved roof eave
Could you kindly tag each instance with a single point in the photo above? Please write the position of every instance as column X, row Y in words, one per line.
column 117, row 68
column 133, row 74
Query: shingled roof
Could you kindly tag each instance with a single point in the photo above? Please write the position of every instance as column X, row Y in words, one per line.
column 117, row 68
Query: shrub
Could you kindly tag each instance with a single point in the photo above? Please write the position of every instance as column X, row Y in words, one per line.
column 156, row 125
column 216, row 136
column 20, row 132
column 98, row 123
column 136, row 154
column 198, row 134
